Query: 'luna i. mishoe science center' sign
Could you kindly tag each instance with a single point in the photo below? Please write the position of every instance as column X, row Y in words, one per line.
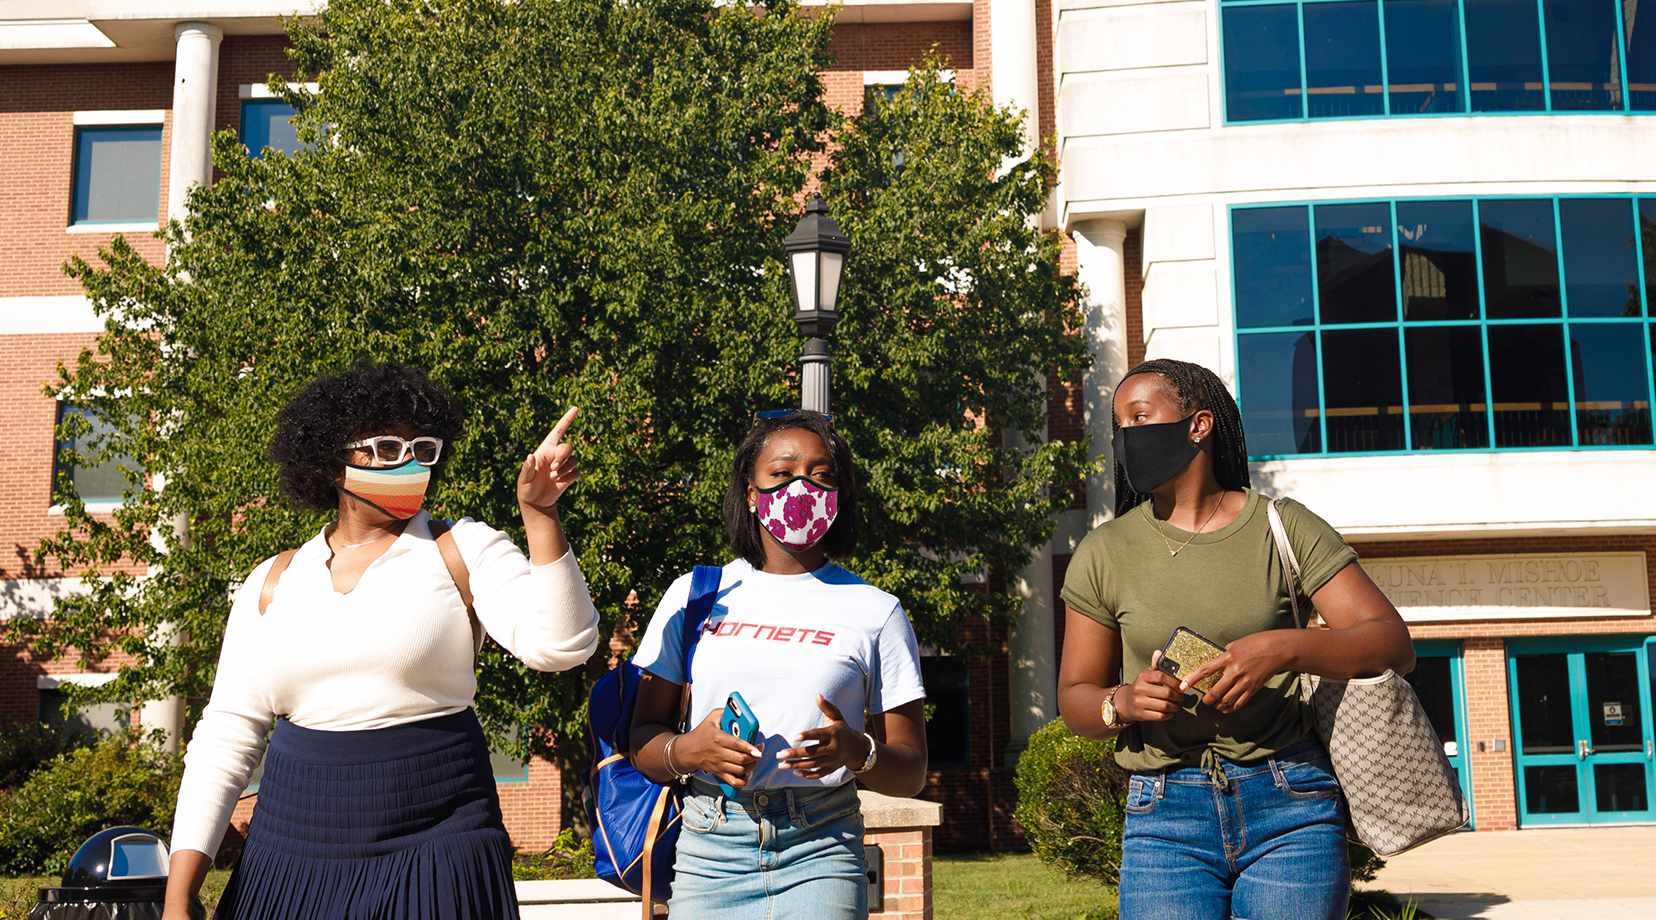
column 1514, row 586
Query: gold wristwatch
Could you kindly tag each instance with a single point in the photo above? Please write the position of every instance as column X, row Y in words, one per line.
column 1107, row 710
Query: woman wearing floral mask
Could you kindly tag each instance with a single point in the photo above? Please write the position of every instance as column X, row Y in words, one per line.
column 358, row 647
column 828, row 665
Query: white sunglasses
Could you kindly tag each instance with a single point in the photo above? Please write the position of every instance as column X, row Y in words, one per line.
column 389, row 448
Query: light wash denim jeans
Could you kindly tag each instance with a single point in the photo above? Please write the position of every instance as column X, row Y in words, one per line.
column 1264, row 841
column 774, row 854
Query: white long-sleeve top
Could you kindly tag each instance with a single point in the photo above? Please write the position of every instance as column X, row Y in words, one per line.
column 397, row 649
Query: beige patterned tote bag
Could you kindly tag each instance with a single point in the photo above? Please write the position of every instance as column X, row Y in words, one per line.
column 1399, row 788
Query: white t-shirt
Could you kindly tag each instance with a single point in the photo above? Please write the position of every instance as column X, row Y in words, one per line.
column 780, row 640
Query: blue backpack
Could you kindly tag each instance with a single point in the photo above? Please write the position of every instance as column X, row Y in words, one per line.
column 635, row 820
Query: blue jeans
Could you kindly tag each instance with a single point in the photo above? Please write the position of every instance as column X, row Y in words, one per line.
column 1266, row 841
column 773, row 854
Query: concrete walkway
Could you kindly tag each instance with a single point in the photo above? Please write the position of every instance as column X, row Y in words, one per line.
column 1602, row 873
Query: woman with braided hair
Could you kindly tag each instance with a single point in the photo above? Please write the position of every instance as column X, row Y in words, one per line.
column 1232, row 807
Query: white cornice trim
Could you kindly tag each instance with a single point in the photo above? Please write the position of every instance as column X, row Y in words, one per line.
column 48, row 315
column 121, row 117
column 263, row 90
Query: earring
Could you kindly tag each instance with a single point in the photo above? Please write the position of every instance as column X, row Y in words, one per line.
column 753, row 509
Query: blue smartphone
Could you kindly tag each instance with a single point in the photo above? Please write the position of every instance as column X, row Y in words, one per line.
column 739, row 720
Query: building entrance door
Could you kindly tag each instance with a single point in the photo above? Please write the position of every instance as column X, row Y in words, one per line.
column 1438, row 680
column 1582, row 731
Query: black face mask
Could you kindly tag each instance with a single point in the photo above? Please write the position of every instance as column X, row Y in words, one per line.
column 1153, row 454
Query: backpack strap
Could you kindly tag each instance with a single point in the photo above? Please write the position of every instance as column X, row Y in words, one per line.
column 443, row 536
column 704, row 591
column 273, row 576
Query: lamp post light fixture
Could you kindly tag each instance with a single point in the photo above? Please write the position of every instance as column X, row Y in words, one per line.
column 816, row 250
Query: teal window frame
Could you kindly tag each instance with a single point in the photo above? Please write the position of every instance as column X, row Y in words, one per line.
column 1462, row 62
column 1644, row 324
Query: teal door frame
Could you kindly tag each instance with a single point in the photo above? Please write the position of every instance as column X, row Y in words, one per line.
column 1452, row 649
column 1583, row 758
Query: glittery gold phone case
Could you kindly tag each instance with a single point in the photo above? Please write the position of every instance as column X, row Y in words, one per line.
column 1185, row 652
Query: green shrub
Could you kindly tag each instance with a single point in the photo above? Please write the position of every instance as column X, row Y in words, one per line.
column 25, row 749
column 120, row 780
column 569, row 857
column 1070, row 800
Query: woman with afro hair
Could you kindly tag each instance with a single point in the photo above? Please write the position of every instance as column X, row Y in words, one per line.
column 353, row 657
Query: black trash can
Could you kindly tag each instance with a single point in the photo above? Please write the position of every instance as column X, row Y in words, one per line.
column 117, row 874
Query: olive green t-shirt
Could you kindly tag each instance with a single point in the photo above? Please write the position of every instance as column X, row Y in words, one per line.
column 1225, row 585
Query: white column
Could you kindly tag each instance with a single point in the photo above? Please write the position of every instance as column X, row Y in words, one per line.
column 1101, row 266
column 189, row 163
column 195, row 98
column 1012, row 79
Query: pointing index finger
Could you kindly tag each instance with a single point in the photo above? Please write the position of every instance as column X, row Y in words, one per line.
column 556, row 437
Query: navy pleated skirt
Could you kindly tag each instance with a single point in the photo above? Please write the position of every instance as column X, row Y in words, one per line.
column 398, row 823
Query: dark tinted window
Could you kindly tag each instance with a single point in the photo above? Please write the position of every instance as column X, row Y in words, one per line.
column 1640, row 27
column 1278, row 380
column 1439, row 257
column 1503, row 55
column 1612, row 400
column 1342, row 60
column 1356, row 279
column 1446, row 387
column 1520, row 258
column 1262, row 62
column 1601, row 267
column 1364, row 399
column 1423, row 57
column 1583, row 70
column 948, row 724
column 1526, row 370
column 1272, row 251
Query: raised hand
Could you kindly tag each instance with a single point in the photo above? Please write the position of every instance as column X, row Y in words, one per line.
column 550, row 470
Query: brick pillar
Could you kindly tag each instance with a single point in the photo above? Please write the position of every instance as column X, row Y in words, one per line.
column 1488, row 726
column 903, row 830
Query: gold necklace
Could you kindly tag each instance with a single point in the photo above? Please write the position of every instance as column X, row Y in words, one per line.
column 1176, row 550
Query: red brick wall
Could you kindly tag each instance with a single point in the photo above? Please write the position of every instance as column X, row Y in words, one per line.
column 534, row 810
column 978, row 798
column 907, row 886
column 1132, row 253
column 37, row 144
column 246, row 59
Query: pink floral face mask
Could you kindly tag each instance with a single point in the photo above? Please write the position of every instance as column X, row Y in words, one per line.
column 798, row 512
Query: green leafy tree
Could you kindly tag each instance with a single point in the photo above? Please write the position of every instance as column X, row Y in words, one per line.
column 557, row 202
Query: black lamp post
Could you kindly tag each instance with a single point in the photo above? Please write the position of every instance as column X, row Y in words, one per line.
column 816, row 250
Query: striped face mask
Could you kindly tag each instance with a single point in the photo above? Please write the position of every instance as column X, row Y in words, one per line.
column 396, row 490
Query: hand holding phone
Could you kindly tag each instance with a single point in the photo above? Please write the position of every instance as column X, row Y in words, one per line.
column 1185, row 652
column 737, row 719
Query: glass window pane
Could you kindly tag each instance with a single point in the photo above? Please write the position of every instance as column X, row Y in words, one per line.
column 1647, row 233
column 117, row 174
column 1262, row 63
column 1272, row 251
column 1641, row 54
column 1430, row 680
column 1620, row 787
column 1526, row 370
column 1613, row 713
column 1612, row 398
column 1503, row 55
column 1278, row 378
column 1446, row 387
column 1583, row 60
column 1423, row 56
column 269, row 123
column 1356, row 280
column 104, row 481
column 1364, row 400
column 1520, row 259
column 1342, row 59
column 1439, row 260
column 1600, row 267
column 1544, row 704
column 1550, row 790
column 948, row 730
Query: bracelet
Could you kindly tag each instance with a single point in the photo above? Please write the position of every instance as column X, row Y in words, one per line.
column 667, row 753
column 873, row 755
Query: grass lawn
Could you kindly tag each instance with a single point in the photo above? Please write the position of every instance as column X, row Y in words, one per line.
column 1014, row 886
